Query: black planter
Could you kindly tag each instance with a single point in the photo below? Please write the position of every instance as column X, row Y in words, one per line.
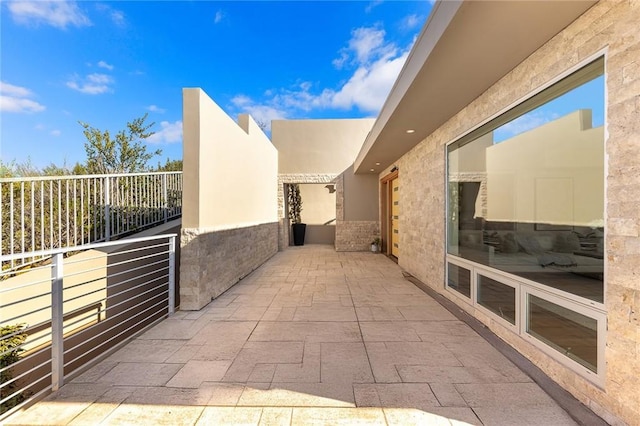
column 299, row 230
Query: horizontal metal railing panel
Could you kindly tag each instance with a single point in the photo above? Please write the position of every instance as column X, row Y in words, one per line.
column 50, row 212
column 87, row 307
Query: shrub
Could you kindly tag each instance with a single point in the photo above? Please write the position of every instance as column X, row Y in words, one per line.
column 11, row 338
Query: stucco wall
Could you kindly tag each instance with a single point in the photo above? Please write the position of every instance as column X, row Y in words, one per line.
column 230, row 169
column 318, row 204
column 357, row 221
column 607, row 25
column 314, row 151
column 230, row 199
column 318, row 146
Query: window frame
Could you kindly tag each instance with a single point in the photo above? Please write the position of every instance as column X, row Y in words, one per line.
column 524, row 287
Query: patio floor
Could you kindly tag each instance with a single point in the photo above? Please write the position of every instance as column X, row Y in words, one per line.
column 311, row 337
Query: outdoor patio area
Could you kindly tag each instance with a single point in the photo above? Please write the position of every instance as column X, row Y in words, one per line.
column 311, row 337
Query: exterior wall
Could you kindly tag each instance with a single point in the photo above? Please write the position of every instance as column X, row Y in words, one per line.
column 318, row 204
column 225, row 164
column 229, row 198
column 284, row 224
column 213, row 261
column 313, row 151
column 318, row 146
column 607, row 25
column 357, row 221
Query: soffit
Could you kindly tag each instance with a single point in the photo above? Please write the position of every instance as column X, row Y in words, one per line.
column 464, row 48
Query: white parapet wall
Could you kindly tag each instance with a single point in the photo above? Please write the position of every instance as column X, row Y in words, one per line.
column 230, row 211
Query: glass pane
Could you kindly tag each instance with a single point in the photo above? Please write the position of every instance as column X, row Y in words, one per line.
column 527, row 197
column 459, row 279
column 497, row 297
column 573, row 334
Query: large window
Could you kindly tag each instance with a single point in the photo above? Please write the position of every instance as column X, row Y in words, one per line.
column 525, row 219
column 526, row 190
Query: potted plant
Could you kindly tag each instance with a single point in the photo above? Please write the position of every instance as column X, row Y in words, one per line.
column 375, row 245
column 294, row 202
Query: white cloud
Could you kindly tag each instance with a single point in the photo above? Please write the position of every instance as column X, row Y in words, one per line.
column 92, row 84
column 372, row 5
column 155, row 108
column 11, row 90
column 103, row 64
column 59, row 14
column 369, row 86
column 55, row 132
column 220, row 15
column 168, row 133
column 241, row 100
column 16, row 99
column 261, row 113
column 411, row 21
column 375, row 65
column 116, row 16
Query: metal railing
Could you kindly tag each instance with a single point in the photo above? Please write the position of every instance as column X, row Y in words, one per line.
column 77, row 308
column 41, row 213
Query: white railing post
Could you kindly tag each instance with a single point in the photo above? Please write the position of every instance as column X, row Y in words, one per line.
column 165, row 198
column 57, row 319
column 107, row 208
column 172, row 274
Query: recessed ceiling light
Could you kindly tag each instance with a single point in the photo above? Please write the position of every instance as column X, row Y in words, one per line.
column 372, row 170
column 377, row 164
column 410, row 131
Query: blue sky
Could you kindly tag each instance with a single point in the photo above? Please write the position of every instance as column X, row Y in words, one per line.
column 587, row 96
column 106, row 63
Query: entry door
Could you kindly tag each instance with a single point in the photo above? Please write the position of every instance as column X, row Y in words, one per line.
column 394, row 184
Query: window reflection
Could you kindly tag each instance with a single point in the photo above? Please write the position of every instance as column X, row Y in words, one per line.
column 527, row 196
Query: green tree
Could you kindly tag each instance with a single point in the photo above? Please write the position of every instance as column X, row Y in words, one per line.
column 126, row 153
column 170, row 166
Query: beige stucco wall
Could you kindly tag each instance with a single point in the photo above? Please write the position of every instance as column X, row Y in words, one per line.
column 608, row 25
column 318, row 204
column 230, row 199
column 318, row 146
column 230, row 169
column 360, row 196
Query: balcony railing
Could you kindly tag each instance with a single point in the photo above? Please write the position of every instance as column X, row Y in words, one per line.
column 74, row 309
column 44, row 213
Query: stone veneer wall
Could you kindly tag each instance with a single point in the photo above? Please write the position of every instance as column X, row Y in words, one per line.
column 352, row 235
column 283, row 222
column 355, row 235
column 213, row 261
column 607, row 25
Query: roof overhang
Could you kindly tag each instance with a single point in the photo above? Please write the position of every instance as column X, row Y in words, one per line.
column 464, row 48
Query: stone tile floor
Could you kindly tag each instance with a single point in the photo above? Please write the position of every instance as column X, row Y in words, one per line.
column 311, row 337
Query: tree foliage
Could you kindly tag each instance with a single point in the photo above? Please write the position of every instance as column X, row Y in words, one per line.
column 126, row 153
column 28, row 169
column 170, row 166
column 11, row 339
